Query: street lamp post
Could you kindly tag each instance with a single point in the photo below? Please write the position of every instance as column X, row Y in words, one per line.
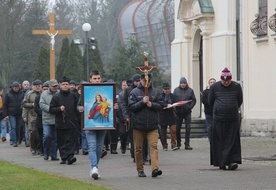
column 86, row 27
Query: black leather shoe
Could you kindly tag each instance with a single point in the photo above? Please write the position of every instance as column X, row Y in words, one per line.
column 113, row 152
column 84, row 153
column 222, row 167
column 141, row 174
column 104, row 153
column 233, row 166
column 71, row 160
column 123, row 151
column 63, row 162
column 188, row 147
column 156, row 173
column 54, row 159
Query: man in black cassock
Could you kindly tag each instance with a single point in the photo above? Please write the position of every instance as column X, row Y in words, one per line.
column 225, row 97
column 64, row 106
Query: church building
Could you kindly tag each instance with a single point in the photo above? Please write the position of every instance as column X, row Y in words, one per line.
column 239, row 34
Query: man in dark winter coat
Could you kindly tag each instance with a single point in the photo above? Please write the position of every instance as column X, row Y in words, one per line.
column 207, row 109
column 226, row 98
column 123, row 104
column 167, row 117
column 184, row 92
column 13, row 112
column 145, row 123
column 64, row 106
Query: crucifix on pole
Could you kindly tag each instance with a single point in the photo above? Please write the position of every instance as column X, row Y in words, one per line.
column 146, row 69
column 52, row 32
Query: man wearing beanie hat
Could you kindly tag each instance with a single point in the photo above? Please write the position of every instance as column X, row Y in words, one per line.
column 64, row 106
column 184, row 92
column 13, row 111
column 29, row 116
column 167, row 117
column 144, row 117
column 136, row 77
column 73, row 87
column 225, row 98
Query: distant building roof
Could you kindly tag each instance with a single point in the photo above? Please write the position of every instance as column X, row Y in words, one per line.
column 150, row 21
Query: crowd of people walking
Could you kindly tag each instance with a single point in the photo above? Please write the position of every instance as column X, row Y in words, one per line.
column 47, row 117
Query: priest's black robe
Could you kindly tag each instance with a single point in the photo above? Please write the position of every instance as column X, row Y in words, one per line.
column 225, row 139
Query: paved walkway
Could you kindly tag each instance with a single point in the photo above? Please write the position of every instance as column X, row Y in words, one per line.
column 182, row 169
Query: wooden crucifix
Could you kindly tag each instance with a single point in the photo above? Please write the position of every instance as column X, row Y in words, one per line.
column 52, row 32
column 146, row 69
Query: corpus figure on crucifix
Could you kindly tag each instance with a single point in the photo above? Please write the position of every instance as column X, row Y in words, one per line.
column 52, row 38
column 146, row 69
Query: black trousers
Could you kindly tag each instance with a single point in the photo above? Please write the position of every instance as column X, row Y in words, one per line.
column 113, row 136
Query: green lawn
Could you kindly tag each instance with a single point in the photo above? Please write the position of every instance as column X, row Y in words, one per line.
column 18, row 177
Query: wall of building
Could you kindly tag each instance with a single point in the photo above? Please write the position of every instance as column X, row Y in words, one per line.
column 259, row 70
column 258, row 66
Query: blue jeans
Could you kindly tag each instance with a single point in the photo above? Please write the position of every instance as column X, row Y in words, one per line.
column 208, row 123
column 83, row 142
column 16, row 124
column 95, row 141
column 3, row 128
column 50, row 140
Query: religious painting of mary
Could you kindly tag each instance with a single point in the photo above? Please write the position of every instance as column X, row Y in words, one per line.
column 98, row 101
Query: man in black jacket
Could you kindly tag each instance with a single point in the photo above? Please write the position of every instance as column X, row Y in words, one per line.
column 13, row 112
column 144, row 118
column 123, row 105
column 207, row 109
column 225, row 97
column 64, row 106
column 181, row 93
column 167, row 117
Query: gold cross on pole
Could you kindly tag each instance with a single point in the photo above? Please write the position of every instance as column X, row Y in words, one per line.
column 52, row 32
column 146, row 69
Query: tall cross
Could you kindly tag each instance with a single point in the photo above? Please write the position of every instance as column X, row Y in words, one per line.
column 146, row 69
column 52, row 32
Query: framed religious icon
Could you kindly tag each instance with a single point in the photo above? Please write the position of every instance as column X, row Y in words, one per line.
column 98, row 101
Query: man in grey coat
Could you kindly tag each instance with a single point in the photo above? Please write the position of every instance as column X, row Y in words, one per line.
column 48, row 120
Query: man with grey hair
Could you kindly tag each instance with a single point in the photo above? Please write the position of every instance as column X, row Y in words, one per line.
column 26, row 89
